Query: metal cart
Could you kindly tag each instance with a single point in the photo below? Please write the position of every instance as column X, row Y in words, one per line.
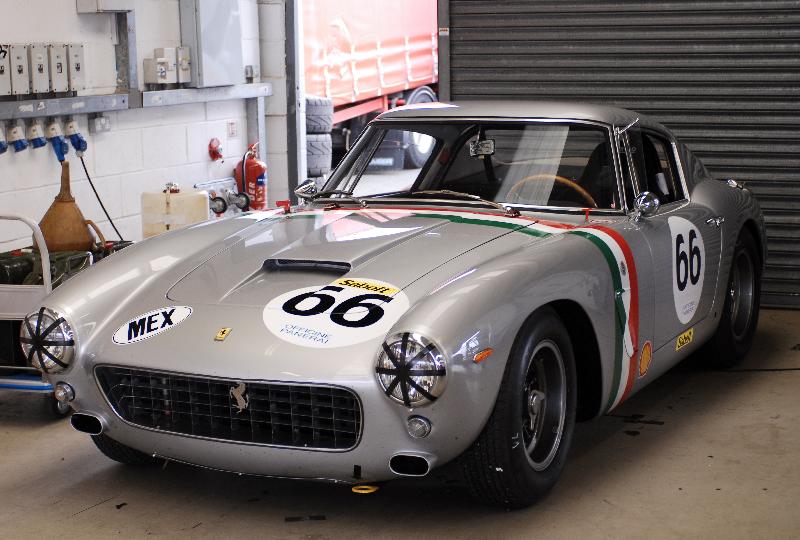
column 16, row 301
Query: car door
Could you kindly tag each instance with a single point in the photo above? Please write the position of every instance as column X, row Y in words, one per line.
column 684, row 238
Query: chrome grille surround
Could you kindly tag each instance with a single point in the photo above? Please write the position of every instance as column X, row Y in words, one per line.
column 279, row 414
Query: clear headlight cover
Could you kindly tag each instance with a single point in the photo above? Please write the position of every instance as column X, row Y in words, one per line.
column 47, row 341
column 411, row 369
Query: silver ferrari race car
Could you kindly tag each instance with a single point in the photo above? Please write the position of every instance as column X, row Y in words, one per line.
column 471, row 281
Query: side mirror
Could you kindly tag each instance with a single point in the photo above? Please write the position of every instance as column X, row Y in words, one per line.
column 306, row 190
column 645, row 205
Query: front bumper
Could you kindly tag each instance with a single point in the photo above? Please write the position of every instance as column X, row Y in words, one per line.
column 384, row 435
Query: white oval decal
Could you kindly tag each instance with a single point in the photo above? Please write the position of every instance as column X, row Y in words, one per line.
column 688, row 267
column 345, row 312
column 151, row 323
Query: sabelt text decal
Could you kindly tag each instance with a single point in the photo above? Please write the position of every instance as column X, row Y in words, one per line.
column 151, row 323
column 684, row 339
column 370, row 286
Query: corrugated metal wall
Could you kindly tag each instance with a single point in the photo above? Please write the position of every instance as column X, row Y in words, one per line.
column 724, row 75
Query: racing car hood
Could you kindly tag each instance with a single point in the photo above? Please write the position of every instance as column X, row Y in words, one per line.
column 393, row 247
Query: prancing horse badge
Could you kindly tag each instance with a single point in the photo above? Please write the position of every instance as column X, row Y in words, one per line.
column 239, row 393
column 222, row 334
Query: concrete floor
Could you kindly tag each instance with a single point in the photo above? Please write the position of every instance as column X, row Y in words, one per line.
column 714, row 455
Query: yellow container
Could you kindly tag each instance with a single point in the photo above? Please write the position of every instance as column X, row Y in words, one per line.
column 172, row 209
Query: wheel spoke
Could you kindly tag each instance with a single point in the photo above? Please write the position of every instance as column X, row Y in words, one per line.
column 543, row 405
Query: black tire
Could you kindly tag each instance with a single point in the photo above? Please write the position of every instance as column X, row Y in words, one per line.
column 121, row 453
column 319, row 114
column 416, row 157
column 497, row 468
column 737, row 325
column 55, row 408
column 318, row 152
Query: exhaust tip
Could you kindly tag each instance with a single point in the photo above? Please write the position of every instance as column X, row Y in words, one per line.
column 408, row 465
column 87, row 423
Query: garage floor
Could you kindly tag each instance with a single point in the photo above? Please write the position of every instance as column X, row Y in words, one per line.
column 700, row 454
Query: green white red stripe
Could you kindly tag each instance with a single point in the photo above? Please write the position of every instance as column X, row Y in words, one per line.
column 613, row 247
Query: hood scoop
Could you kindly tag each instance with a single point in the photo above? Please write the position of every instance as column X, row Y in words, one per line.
column 329, row 268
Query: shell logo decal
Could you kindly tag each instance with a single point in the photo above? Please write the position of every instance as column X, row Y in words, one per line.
column 645, row 358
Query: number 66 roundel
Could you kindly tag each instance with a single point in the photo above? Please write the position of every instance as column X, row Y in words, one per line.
column 688, row 266
column 345, row 312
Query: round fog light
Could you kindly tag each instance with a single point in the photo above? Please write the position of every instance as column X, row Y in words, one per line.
column 64, row 393
column 418, row 427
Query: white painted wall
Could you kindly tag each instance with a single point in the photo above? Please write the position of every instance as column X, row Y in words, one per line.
column 146, row 147
column 272, row 17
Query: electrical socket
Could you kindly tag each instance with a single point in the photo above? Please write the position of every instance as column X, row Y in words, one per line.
column 233, row 130
column 99, row 124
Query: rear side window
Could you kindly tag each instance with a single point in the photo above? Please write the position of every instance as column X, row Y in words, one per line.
column 655, row 165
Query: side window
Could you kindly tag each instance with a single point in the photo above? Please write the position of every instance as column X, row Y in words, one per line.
column 654, row 163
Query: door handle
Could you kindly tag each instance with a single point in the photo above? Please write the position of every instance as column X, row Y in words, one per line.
column 715, row 221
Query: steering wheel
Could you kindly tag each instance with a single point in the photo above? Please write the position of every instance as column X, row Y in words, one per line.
column 516, row 188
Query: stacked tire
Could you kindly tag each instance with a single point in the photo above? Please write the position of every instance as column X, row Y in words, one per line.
column 319, row 148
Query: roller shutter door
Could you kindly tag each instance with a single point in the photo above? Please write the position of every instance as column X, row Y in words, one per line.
column 724, row 75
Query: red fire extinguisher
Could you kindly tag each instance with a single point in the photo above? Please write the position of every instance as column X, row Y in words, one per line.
column 251, row 178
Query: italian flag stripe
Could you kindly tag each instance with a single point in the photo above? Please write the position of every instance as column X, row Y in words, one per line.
column 612, row 245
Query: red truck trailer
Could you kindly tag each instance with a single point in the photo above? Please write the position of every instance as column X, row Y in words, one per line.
column 368, row 57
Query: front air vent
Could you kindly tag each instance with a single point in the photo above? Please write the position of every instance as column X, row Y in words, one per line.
column 294, row 265
column 317, row 417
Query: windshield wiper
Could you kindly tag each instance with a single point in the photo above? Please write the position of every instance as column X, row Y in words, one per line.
column 512, row 212
column 347, row 196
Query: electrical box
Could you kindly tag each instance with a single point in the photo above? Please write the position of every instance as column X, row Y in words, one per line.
column 57, row 60
column 168, row 57
column 40, row 68
column 184, row 65
column 20, row 72
column 5, row 70
column 76, row 67
column 162, row 69
column 211, row 29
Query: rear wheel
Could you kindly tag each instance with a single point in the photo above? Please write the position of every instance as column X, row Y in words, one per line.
column 734, row 335
column 522, row 450
column 119, row 452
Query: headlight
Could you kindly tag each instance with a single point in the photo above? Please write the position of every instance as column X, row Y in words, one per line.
column 47, row 341
column 411, row 369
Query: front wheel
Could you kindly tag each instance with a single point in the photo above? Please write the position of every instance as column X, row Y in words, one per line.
column 523, row 447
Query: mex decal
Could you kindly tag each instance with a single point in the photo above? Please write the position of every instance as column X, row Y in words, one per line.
column 150, row 324
column 345, row 312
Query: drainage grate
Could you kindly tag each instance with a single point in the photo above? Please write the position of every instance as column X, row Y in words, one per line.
column 304, row 416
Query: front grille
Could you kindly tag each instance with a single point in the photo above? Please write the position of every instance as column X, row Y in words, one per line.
column 304, row 416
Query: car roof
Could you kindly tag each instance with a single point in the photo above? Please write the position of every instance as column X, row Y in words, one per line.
column 516, row 109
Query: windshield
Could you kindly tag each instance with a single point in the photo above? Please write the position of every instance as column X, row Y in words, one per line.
column 537, row 164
